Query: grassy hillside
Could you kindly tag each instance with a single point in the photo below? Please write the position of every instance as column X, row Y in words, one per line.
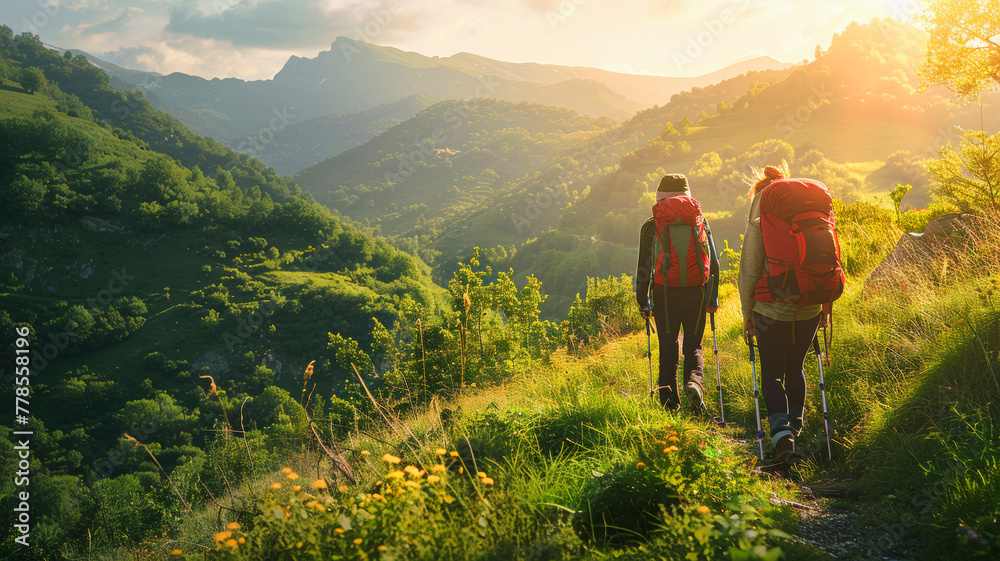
column 143, row 260
column 571, row 460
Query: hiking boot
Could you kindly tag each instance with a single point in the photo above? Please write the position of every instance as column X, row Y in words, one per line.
column 697, row 396
column 784, row 451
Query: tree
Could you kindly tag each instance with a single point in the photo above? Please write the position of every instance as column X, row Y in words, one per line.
column 969, row 177
column 32, row 79
column 963, row 50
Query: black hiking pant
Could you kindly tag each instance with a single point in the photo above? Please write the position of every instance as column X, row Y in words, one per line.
column 782, row 347
column 685, row 307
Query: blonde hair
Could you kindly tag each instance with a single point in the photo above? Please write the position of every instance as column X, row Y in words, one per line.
column 762, row 177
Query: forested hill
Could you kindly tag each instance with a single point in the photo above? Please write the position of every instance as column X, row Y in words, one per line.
column 144, row 257
column 854, row 117
column 455, row 176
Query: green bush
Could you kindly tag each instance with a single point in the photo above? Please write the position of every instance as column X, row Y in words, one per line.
column 608, row 311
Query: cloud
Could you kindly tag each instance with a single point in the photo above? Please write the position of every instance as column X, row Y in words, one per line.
column 113, row 25
column 136, row 58
column 267, row 23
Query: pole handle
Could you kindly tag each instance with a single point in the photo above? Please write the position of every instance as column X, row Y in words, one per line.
column 711, row 316
column 816, row 345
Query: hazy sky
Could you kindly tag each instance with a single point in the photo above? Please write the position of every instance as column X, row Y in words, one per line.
column 252, row 39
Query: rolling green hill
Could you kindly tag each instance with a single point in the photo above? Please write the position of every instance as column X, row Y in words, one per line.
column 297, row 146
column 143, row 257
column 430, row 173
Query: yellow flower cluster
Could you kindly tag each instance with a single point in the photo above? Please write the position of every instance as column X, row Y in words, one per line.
column 226, row 539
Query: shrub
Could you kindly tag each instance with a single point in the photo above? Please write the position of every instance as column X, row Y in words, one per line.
column 608, row 311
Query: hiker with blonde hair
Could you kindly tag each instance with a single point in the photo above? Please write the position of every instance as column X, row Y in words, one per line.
column 786, row 298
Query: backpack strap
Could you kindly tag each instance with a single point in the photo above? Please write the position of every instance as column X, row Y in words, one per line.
column 665, row 248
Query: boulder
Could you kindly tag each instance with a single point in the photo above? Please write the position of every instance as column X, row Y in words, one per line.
column 914, row 250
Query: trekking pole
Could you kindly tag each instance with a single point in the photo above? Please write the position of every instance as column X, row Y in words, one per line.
column 756, row 401
column 649, row 348
column 718, row 377
column 822, row 391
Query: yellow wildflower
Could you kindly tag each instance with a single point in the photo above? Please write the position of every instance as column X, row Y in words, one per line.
column 177, row 552
column 433, row 479
column 440, row 451
column 413, row 484
column 338, row 530
column 378, row 497
column 481, row 473
column 241, row 540
column 438, row 468
column 276, row 485
column 357, row 541
column 366, row 453
column 233, row 526
column 703, row 509
column 453, row 454
column 343, row 489
column 412, row 471
column 673, row 439
column 223, row 536
column 395, row 474
column 292, row 475
column 670, row 449
column 230, row 543
column 298, row 545
column 286, row 470
column 390, row 459
column 296, row 487
column 382, row 549
column 640, row 464
column 487, row 481
column 319, row 484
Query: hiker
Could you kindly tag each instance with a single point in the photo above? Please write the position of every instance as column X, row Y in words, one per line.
column 679, row 267
column 784, row 324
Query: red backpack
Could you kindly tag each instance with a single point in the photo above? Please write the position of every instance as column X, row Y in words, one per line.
column 800, row 241
column 680, row 246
